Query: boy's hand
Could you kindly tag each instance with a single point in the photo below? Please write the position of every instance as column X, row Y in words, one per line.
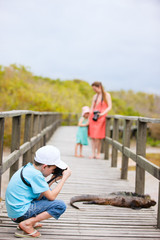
column 58, row 178
column 66, row 173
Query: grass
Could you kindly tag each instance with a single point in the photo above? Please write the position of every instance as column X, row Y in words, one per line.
column 154, row 158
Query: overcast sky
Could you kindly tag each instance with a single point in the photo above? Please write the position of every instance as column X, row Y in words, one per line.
column 116, row 42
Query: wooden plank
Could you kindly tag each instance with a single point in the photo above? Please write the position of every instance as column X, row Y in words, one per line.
column 117, row 145
column 15, row 143
column 1, row 147
column 16, row 113
column 148, row 166
column 115, row 137
column 140, row 150
column 106, row 148
column 134, row 118
column 27, row 136
column 149, row 120
column 158, row 214
column 35, row 133
column 126, row 143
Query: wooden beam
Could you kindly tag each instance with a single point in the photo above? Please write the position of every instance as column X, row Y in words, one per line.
column 115, row 137
column 27, row 136
column 140, row 150
column 106, row 143
column 16, row 154
column 158, row 210
column 1, row 147
column 126, row 143
column 15, row 143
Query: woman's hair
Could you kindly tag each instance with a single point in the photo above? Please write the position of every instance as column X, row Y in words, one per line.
column 99, row 84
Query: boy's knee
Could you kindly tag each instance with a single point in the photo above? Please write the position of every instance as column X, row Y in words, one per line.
column 62, row 205
column 57, row 208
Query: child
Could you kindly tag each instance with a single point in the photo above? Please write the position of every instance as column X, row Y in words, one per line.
column 82, row 133
column 29, row 198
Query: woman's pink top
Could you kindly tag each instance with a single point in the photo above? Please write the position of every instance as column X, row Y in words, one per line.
column 97, row 128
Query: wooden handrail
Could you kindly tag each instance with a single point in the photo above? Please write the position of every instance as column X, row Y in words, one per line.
column 38, row 128
column 142, row 164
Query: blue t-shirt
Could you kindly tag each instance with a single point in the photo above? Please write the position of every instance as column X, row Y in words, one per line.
column 19, row 195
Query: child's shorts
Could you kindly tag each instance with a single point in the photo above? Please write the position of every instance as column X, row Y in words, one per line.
column 55, row 208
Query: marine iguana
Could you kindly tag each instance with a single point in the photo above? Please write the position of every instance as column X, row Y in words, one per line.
column 118, row 199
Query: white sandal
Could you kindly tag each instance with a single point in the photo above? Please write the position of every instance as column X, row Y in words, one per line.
column 26, row 235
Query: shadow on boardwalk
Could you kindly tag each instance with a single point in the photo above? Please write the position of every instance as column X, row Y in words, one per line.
column 90, row 176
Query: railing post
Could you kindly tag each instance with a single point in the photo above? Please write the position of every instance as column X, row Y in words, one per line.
column 47, row 124
column 1, row 147
column 158, row 210
column 40, row 127
column 35, row 132
column 54, row 118
column 126, row 143
column 60, row 119
column 15, row 143
column 140, row 150
column 43, row 126
column 115, row 137
column 108, row 132
column 27, row 136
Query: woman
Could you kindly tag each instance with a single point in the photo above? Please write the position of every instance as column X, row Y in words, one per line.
column 101, row 102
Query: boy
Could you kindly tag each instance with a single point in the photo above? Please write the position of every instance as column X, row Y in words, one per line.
column 29, row 199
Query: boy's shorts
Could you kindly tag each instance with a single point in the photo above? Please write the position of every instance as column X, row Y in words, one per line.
column 55, row 208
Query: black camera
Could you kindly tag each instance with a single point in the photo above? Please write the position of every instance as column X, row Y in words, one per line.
column 96, row 115
column 56, row 173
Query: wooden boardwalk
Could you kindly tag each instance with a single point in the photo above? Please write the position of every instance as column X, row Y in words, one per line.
column 90, row 176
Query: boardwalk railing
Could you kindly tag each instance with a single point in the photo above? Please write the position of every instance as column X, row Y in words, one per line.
column 142, row 164
column 70, row 119
column 37, row 128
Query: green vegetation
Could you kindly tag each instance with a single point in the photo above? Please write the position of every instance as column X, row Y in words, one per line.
column 136, row 104
column 153, row 142
column 20, row 89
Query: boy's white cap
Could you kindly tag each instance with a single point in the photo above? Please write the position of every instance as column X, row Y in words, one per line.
column 49, row 155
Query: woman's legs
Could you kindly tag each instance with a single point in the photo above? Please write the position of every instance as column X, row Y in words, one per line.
column 98, row 147
column 93, row 143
